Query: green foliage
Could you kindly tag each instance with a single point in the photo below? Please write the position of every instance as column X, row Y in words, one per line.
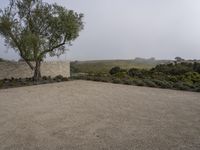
column 162, row 83
column 138, row 82
column 174, row 69
column 115, row 70
column 196, row 67
column 36, row 29
column 150, row 83
column 135, row 73
column 121, row 75
column 181, row 86
column 174, row 76
column 105, row 66
column 116, row 81
column 9, row 83
column 190, row 77
column 138, row 73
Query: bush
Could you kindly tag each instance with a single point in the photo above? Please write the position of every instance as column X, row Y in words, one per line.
column 181, row 86
column 127, row 81
column 120, row 75
column 115, row 70
column 197, row 89
column 172, row 78
column 138, row 82
column 196, row 67
column 1, row 83
column 116, row 81
column 190, row 77
column 135, row 73
column 149, row 83
column 44, row 78
column 163, row 83
column 174, row 69
column 58, row 78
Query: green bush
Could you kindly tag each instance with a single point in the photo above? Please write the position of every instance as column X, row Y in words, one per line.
column 181, row 86
column 174, row 69
column 197, row 89
column 196, row 67
column 127, row 81
column 162, row 83
column 190, row 77
column 135, row 73
column 1, row 83
column 172, row 78
column 149, row 83
column 120, row 75
column 138, row 82
column 115, row 70
column 116, row 81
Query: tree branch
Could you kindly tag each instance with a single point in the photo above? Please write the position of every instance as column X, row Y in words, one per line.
column 21, row 54
column 54, row 47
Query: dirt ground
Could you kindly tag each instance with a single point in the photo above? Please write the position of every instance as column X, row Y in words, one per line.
column 85, row 115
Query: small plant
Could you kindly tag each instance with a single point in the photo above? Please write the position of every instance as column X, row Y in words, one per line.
column 115, row 70
column 162, row 84
column 58, row 78
column 116, row 81
column 138, row 82
column 181, row 86
column 149, row 83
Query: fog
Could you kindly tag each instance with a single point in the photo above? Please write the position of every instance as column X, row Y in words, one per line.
column 125, row 29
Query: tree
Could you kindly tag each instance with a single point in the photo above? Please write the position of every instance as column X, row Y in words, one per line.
column 179, row 59
column 115, row 70
column 35, row 29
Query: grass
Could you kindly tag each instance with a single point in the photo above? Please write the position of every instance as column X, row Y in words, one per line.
column 104, row 66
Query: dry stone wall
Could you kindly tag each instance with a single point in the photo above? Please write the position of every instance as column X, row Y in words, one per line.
column 22, row 70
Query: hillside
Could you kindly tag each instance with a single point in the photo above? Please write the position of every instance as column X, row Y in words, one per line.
column 105, row 65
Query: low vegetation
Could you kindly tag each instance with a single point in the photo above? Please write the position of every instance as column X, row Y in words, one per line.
column 104, row 66
column 10, row 83
column 181, row 76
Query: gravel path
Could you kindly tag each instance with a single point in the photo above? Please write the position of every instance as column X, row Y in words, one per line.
column 85, row 115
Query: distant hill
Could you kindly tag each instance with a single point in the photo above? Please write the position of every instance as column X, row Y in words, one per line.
column 96, row 66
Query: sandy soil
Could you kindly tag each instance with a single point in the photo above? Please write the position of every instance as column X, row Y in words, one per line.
column 84, row 115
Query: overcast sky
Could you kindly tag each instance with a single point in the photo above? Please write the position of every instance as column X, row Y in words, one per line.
column 125, row 29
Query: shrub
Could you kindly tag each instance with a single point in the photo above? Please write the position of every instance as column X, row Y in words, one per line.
column 163, row 83
column 115, row 70
column 181, row 86
column 190, row 77
column 44, row 78
column 1, row 83
column 196, row 67
column 197, row 89
column 127, row 81
column 120, row 75
column 135, row 73
column 174, row 69
column 116, row 81
column 149, row 83
column 138, row 82
column 58, row 78
column 172, row 78
column 65, row 79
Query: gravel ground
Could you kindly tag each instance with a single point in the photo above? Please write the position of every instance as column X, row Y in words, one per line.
column 85, row 115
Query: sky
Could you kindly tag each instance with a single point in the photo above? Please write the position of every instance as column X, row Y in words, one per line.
column 125, row 29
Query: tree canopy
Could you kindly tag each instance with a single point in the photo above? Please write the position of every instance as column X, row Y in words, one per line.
column 35, row 29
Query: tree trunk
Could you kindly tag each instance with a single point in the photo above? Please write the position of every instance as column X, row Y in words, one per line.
column 37, row 73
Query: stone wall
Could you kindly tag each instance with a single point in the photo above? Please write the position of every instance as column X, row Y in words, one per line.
column 22, row 70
